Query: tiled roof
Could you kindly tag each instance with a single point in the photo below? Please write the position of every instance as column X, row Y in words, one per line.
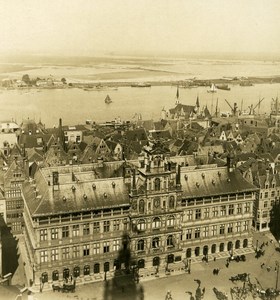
column 212, row 181
column 74, row 196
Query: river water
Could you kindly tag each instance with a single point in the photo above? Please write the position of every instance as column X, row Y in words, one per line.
column 75, row 105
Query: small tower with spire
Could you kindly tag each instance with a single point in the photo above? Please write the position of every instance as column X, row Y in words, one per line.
column 177, row 96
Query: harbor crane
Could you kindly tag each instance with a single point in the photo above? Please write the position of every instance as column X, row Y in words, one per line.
column 233, row 109
column 252, row 107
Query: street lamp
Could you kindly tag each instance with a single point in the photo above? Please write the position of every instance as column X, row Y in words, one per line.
column 277, row 274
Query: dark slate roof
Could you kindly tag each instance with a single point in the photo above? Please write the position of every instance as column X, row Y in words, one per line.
column 188, row 109
column 65, row 200
column 213, row 181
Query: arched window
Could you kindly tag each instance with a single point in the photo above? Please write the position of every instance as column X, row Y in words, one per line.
column 189, row 253
column 156, row 261
column 237, row 244
column 197, row 251
column 157, row 202
column 141, row 206
column 66, row 273
column 156, row 223
column 245, row 243
column 55, row 275
column 141, row 263
column 96, row 268
column 229, row 246
column 222, row 247
column 44, row 277
column 170, row 241
column 86, row 270
column 76, row 271
column 140, row 245
column 205, row 250
column 155, row 242
column 157, row 184
column 170, row 221
column 170, row 258
column 117, row 264
column 141, row 226
column 106, row 266
column 171, row 202
column 213, row 248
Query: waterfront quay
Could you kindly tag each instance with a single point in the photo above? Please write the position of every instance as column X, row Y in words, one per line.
column 262, row 272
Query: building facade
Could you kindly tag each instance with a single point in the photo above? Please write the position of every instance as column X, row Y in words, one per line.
column 170, row 214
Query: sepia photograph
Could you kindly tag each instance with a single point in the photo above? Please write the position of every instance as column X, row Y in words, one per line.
column 139, row 150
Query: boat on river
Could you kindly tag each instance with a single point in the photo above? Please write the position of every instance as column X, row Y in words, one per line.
column 108, row 100
column 223, row 87
column 213, row 89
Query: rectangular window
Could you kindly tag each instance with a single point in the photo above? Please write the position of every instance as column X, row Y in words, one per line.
column 230, row 228
column 239, row 208
column 265, row 204
column 198, row 214
column 86, row 229
column 96, row 226
column 231, row 209
column 54, row 254
column 197, row 233
column 206, row 212
column 43, row 235
column 116, row 224
column 246, row 225
column 44, row 256
column 247, row 207
column 65, row 231
column 223, row 210
column 266, row 195
column 116, row 245
column 238, row 227
column 189, row 214
column 76, row 230
column 222, row 229
column 215, row 211
column 206, row 231
column 214, row 230
column 76, row 251
column 54, row 233
column 106, row 247
column 96, row 248
column 106, row 226
column 65, row 253
column 189, row 234
column 86, row 250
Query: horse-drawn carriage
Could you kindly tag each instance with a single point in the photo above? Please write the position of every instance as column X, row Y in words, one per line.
column 66, row 287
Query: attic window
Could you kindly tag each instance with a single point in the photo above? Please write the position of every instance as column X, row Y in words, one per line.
column 186, row 177
column 73, row 188
column 85, row 196
column 105, row 195
column 113, row 184
column 93, row 186
column 64, row 198
column 203, row 175
column 197, row 184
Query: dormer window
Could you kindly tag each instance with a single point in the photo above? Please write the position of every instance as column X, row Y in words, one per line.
column 94, row 186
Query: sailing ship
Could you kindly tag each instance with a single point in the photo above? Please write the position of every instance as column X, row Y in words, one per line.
column 108, row 99
column 223, row 87
column 213, row 89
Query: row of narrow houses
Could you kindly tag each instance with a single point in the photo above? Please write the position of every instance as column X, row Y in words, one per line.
column 163, row 211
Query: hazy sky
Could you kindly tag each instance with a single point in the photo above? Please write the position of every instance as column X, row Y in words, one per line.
column 85, row 27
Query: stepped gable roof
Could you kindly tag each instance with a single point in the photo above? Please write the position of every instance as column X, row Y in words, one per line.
column 77, row 196
column 271, row 177
column 188, row 109
column 212, row 182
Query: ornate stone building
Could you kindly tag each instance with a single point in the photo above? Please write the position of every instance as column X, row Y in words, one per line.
column 76, row 216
